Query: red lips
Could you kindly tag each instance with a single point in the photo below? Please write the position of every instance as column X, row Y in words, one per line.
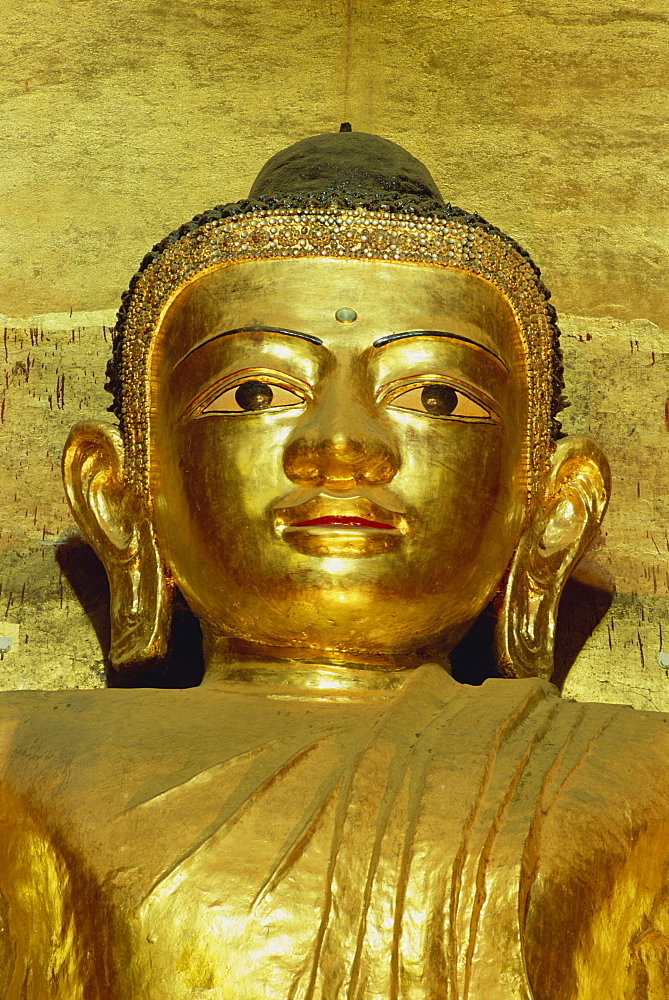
column 342, row 521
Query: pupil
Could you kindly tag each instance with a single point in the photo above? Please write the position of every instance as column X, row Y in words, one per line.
column 254, row 396
column 439, row 400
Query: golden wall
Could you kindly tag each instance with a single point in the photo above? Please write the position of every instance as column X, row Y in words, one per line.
column 121, row 120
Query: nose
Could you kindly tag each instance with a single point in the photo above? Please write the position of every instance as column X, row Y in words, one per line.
column 341, row 445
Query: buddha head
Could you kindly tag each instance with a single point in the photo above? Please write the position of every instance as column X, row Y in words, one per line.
column 337, row 433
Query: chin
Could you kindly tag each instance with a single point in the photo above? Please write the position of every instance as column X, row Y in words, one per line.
column 373, row 619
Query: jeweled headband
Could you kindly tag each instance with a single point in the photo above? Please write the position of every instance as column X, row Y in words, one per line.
column 390, row 213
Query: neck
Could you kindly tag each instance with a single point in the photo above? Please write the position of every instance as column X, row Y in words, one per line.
column 234, row 661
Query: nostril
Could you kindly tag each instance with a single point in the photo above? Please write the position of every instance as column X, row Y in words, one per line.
column 301, row 466
column 383, row 472
column 378, row 474
column 303, row 472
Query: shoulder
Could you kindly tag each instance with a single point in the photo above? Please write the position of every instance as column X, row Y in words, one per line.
column 38, row 892
column 625, row 733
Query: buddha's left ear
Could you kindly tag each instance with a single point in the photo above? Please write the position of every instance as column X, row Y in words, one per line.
column 564, row 522
column 116, row 524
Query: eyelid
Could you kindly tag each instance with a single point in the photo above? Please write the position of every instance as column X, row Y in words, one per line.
column 203, row 399
column 396, row 388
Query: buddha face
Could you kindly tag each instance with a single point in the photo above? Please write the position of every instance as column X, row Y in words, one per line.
column 337, row 451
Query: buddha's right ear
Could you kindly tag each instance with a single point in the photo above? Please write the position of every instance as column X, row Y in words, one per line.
column 116, row 524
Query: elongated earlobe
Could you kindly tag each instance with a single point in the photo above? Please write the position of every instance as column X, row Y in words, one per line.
column 115, row 523
column 564, row 524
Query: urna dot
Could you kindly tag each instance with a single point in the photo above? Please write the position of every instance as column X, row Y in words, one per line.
column 346, row 315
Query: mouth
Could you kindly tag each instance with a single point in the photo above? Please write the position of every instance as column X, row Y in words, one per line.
column 342, row 521
column 354, row 523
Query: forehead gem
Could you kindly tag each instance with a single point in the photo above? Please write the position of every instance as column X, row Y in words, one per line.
column 346, row 315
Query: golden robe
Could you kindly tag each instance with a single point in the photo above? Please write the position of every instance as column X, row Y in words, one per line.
column 438, row 841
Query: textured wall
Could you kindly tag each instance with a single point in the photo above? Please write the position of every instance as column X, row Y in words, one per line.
column 122, row 120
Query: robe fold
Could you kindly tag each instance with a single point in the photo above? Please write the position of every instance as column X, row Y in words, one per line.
column 437, row 841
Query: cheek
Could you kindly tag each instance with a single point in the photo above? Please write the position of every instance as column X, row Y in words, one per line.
column 451, row 464
column 242, row 455
column 462, row 480
column 218, row 476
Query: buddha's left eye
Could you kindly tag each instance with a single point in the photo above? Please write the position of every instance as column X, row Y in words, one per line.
column 438, row 399
column 251, row 396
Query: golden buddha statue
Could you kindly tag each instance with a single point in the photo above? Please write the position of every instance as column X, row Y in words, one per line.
column 338, row 440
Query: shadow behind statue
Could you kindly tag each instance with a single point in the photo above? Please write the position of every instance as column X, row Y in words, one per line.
column 184, row 664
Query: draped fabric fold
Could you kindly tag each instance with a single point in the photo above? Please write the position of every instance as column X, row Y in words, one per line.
column 436, row 841
column 382, row 860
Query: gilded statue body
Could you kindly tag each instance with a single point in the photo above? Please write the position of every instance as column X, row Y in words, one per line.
column 338, row 439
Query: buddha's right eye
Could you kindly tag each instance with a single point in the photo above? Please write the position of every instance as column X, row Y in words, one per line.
column 253, row 395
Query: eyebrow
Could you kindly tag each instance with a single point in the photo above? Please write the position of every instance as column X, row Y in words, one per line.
column 255, row 328
column 438, row 333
